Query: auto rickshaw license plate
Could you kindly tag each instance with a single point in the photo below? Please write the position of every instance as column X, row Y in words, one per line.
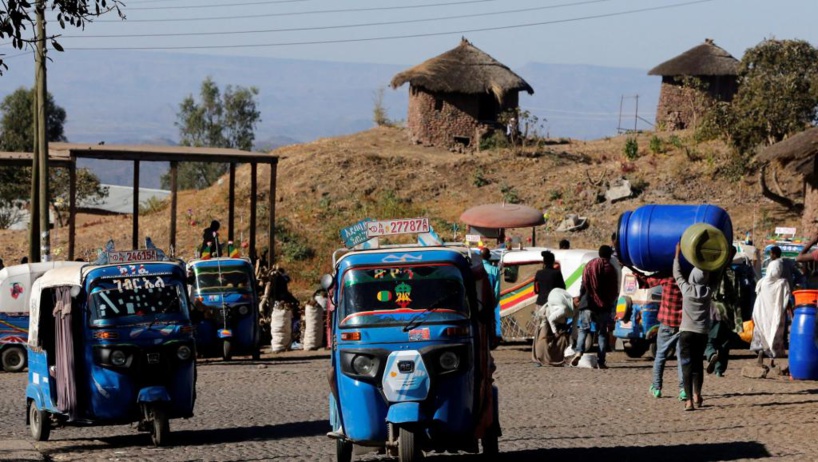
column 153, row 358
column 406, row 367
column 416, row 335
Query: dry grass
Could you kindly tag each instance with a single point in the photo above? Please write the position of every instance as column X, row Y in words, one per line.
column 331, row 183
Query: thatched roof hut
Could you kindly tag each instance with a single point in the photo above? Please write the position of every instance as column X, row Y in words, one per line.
column 458, row 93
column 463, row 69
column 707, row 59
column 712, row 65
column 799, row 154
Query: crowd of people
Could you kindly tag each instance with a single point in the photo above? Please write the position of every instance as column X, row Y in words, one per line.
column 700, row 313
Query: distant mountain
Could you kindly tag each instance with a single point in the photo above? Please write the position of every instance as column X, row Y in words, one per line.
column 132, row 97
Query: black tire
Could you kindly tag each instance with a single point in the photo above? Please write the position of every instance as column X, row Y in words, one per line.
column 227, row 350
column 39, row 423
column 256, row 354
column 160, row 427
column 343, row 451
column 408, row 448
column 491, row 445
column 653, row 349
column 636, row 348
column 13, row 359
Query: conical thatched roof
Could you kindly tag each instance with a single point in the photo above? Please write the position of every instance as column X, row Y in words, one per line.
column 705, row 59
column 799, row 150
column 464, row 69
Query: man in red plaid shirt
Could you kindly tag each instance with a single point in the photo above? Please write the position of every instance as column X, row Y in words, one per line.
column 667, row 336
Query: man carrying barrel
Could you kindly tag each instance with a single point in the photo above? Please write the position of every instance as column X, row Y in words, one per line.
column 598, row 293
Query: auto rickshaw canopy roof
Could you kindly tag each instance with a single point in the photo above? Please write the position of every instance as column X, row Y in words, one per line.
column 503, row 216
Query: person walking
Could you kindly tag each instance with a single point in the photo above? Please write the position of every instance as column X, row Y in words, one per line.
column 725, row 315
column 550, row 339
column 494, row 281
column 667, row 334
column 772, row 299
column 693, row 329
column 598, row 294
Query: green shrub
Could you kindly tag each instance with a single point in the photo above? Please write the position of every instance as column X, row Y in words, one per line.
column 480, row 179
column 496, row 140
column 656, row 145
column 510, row 194
column 554, row 195
column 152, row 205
column 631, row 148
column 675, row 141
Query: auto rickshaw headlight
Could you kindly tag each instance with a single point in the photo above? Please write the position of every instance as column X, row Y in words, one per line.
column 183, row 353
column 449, row 361
column 363, row 365
column 118, row 358
column 243, row 310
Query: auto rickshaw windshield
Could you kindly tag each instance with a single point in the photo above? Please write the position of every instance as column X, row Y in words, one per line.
column 226, row 276
column 137, row 296
column 386, row 295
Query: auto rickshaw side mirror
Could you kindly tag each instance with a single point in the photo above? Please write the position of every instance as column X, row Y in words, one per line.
column 326, row 282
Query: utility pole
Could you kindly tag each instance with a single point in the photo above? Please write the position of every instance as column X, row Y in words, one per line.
column 42, row 140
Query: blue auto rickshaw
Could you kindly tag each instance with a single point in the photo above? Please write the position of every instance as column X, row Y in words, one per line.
column 111, row 343
column 225, row 307
column 411, row 371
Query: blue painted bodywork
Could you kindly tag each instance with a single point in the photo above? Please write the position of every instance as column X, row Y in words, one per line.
column 647, row 326
column 209, row 302
column 358, row 406
column 151, row 341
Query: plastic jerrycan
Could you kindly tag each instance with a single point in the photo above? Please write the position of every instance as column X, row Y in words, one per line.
column 705, row 247
column 646, row 237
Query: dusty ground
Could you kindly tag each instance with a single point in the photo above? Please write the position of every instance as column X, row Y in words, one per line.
column 276, row 409
column 331, row 183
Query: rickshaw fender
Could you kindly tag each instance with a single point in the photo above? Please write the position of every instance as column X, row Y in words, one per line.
column 405, row 412
column 153, row 394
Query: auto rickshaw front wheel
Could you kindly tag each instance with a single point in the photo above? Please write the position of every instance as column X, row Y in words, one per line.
column 160, row 427
column 491, row 444
column 13, row 359
column 343, row 450
column 39, row 422
column 227, row 350
column 408, row 448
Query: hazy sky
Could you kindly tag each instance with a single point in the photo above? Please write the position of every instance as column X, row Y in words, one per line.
column 622, row 33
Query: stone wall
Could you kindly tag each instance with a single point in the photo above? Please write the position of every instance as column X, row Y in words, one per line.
column 442, row 119
column 681, row 107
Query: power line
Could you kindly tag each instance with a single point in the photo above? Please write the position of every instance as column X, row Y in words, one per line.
column 397, row 37
column 303, row 13
column 197, row 7
column 343, row 26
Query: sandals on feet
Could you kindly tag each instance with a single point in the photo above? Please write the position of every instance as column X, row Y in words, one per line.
column 689, row 406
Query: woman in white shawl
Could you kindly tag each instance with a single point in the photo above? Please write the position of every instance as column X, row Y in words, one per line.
column 552, row 334
column 772, row 299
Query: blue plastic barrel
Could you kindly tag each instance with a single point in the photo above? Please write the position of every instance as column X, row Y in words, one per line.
column 647, row 236
column 803, row 351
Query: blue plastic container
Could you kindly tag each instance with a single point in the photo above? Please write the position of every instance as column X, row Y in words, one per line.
column 647, row 237
column 803, row 351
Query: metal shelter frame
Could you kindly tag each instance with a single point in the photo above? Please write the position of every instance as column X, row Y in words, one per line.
column 65, row 155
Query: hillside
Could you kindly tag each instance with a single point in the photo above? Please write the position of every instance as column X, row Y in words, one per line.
column 330, row 183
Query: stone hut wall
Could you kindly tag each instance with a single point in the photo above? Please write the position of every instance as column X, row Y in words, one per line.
column 442, row 119
column 681, row 107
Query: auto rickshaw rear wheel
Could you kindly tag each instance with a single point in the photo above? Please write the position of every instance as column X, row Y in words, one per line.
column 13, row 359
column 635, row 348
column 160, row 428
column 408, row 448
column 343, row 450
column 39, row 422
column 227, row 350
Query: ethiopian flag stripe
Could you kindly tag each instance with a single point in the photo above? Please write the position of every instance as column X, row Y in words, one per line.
column 521, row 294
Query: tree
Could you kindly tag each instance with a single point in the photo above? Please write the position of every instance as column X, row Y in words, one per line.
column 217, row 121
column 777, row 95
column 17, row 135
column 18, row 17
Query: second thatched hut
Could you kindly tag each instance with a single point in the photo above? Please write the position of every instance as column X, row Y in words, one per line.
column 457, row 97
column 715, row 70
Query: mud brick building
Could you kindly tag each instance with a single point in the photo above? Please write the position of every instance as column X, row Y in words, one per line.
column 679, row 105
column 457, row 97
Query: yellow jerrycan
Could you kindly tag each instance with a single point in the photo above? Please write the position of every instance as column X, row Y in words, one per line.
column 705, row 247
